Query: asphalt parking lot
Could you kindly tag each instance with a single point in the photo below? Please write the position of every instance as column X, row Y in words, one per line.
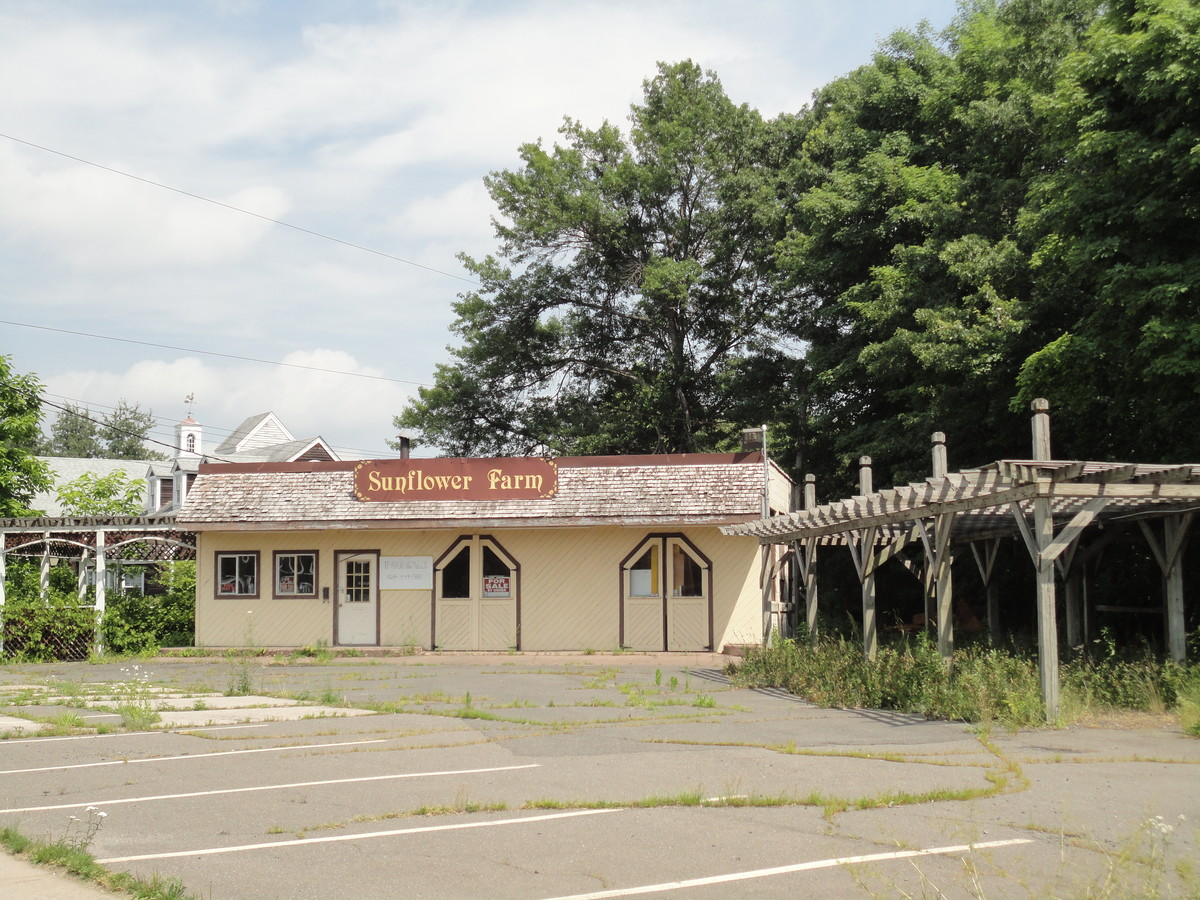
column 577, row 776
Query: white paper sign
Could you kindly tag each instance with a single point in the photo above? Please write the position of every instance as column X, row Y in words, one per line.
column 406, row 573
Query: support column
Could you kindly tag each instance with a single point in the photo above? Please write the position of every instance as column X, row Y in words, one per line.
column 1175, row 534
column 944, row 584
column 1043, row 530
column 809, row 563
column 44, row 571
column 866, row 568
column 3, row 592
column 101, row 587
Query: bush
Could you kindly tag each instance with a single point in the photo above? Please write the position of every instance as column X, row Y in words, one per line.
column 137, row 624
column 38, row 629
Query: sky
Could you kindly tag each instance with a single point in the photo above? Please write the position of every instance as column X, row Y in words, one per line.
column 366, row 127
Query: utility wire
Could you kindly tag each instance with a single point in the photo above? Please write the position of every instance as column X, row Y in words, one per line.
column 269, row 362
column 237, row 209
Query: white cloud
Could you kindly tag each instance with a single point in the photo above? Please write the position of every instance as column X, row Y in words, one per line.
column 350, row 412
column 92, row 218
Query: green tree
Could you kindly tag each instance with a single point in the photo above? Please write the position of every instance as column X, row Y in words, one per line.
column 21, row 474
column 630, row 290
column 114, row 494
column 125, row 431
column 1115, row 225
column 75, row 434
column 911, row 282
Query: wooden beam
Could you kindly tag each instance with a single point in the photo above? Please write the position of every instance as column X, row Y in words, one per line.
column 1047, row 624
column 1075, row 527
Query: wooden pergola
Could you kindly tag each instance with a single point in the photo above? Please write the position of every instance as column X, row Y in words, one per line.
column 1049, row 503
column 91, row 540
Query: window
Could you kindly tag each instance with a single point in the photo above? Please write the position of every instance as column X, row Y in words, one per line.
column 643, row 574
column 237, row 574
column 296, row 574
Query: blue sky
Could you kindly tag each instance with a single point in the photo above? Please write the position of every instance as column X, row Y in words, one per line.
column 371, row 122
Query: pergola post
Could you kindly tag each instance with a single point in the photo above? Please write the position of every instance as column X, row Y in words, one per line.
column 866, row 568
column 3, row 578
column 101, row 586
column 44, row 570
column 1043, row 529
column 1176, row 528
column 943, row 581
column 808, row 563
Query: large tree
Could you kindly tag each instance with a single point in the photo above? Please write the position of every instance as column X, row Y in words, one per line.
column 21, row 474
column 1115, row 225
column 628, row 309
column 911, row 280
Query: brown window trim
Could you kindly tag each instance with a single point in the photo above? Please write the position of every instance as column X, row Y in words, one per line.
column 275, row 595
column 217, row 575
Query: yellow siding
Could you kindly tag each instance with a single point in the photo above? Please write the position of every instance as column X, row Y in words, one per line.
column 570, row 586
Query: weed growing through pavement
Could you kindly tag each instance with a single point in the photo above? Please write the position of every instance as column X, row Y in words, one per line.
column 135, row 699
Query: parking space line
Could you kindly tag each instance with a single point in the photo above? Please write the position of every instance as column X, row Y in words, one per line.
column 785, row 870
column 150, row 759
column 272, row 845
column 121, row 734
column 267, row 787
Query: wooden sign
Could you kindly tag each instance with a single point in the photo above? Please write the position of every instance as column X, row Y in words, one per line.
column 393, row 480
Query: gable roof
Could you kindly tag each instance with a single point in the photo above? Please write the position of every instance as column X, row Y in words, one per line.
column 65, row 469
column 260, row 430
column 682, row 489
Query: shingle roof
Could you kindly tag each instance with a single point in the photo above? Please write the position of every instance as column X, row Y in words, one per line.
column 696, row 489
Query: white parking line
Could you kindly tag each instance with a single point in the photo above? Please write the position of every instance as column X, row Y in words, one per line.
column 271, row 845
column 266, row 787
column 20, row 742
column 785, row 870
column 150, row 759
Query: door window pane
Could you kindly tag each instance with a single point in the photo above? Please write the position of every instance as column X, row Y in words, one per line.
column 643, row 574
column 497, row 576
column 456, row 576
column 687, row 574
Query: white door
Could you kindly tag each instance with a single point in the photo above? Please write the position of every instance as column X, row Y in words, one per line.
column 357, row 599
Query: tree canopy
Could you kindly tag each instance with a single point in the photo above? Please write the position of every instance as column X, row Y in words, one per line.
column 1002, row 210
column 629, row 291
column 121, row 434
column 21, row 473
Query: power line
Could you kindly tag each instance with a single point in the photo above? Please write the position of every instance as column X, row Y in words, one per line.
column 237, row 209
column 269, row 362
column 161, row 423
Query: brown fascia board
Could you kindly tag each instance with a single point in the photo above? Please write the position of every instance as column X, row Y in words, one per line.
column 565, row 462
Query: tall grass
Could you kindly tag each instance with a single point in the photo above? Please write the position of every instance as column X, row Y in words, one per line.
column 978, row 684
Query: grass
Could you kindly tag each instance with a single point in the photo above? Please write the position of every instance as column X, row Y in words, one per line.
column 78, row 862
column 982, row 685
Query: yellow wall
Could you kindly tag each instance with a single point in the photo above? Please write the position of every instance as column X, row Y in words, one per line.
column 569, row 586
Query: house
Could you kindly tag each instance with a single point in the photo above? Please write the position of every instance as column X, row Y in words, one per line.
column 482, row 554
column 260, row 438
column 65, row 469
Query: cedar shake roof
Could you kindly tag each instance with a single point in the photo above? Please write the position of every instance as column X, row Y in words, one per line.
column 658, row 490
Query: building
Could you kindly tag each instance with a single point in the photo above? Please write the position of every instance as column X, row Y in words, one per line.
column 260, row 438
column 482, row 554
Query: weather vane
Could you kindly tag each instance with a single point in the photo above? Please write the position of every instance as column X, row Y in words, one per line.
column 189, row 400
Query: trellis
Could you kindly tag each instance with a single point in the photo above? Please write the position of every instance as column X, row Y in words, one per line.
column 129, row 540
column 1049, row 503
